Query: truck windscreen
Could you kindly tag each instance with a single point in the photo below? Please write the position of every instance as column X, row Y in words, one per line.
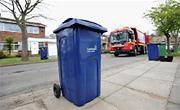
column 118, row 37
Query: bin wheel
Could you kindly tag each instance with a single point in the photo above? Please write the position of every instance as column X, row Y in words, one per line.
column 56, row 90
column 116, row 54
column 142, row 50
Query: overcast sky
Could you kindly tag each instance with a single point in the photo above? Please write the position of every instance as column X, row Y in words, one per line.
column 111, row 14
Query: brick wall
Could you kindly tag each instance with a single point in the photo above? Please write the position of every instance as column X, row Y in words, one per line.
column 17, row 36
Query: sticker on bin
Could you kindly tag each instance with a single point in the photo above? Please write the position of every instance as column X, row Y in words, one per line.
column 90, row 50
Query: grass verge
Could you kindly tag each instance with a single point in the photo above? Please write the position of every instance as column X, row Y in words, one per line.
column 17, row 60
column 175, row 54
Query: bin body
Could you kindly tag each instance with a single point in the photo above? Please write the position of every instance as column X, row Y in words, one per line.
column 163, row 55
column 79, row 59
column 43, row 53
column 162, row 50
column 153, row 51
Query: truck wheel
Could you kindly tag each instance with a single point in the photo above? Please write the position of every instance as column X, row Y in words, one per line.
column 56, row 90
column 145, row 50
column 142, row 50
column 116, row 54
column 135, row 52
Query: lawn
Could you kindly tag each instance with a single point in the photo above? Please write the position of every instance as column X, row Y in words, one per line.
column 175, row 54
column 17, row 60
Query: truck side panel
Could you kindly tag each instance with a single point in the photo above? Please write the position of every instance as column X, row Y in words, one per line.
column 141, row 37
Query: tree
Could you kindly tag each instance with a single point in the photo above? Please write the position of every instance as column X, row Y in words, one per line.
column 9, row 41
column 21, row 11
column 176, row 18
column 166, row 18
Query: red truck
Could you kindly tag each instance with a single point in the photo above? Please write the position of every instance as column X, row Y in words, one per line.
column 129, row 41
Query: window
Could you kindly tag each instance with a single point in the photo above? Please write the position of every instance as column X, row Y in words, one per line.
column 1, row 26
column 15, row 28
column 41, row 44
column 118, row 37
column 11, row 27
column 16, row 46
column 141, row 37
column 131, row 36
column 33, row 30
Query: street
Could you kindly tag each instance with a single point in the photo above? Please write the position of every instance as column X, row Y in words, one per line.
column 14, row 79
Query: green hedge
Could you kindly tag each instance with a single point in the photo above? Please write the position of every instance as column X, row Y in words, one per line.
column 2, row 55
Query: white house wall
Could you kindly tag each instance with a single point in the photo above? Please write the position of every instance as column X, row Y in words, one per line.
column 33, row 45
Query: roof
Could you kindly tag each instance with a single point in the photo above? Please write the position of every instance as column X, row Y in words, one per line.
column 8, row 20
column 122, row 29
column 30, row 39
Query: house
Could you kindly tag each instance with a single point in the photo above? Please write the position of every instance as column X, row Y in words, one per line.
column 36, row 36
column 8, row 27
column 104, row 42
column 157, row 39
column 163, row 39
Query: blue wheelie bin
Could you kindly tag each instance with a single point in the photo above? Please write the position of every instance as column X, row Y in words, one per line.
column 79, row 60
column 153, row 51
column 43, row 53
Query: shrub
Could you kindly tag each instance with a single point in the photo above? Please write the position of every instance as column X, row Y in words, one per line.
column 2, row 55
column 19, row 54
column 9, row 41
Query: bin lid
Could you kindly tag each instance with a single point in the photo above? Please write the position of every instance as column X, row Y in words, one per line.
column 154, row 44
column 80, row 22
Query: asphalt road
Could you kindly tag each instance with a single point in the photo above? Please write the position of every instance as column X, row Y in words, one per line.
column 15, row 79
